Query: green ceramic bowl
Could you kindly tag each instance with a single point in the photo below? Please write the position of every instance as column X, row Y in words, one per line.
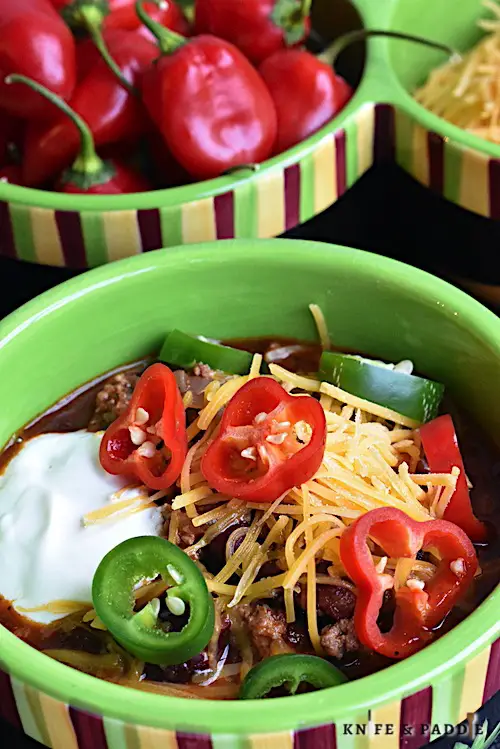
column 92, row 324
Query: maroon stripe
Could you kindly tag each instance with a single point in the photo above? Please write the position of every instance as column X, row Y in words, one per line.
column 415, row 720
column 70, row 232
column 190, row 741
column 435, row 148
column 150, row 229
column 8, row 707
column 323, row 737
column 89, row 730
column 340, row 162
column 292, row 196
column 384, row 143
column 492, row 684
column 494, row 181
column 224, row 215
column 7, row 246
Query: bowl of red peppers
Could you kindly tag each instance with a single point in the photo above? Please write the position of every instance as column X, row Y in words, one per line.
column 131, row 125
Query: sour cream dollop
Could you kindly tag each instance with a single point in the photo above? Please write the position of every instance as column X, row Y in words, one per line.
column 46, row 552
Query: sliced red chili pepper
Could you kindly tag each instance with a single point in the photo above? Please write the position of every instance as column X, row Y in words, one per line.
column 269, row 442
column 417, row 610
column 148, row 441
column 441, row 449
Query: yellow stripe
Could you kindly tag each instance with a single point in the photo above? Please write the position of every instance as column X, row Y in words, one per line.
column 198, row 221
column 122, row 234
column 366, row 133
column 420, row 156
column 271, row 205
column 46, row 237
column 141, row 737
column 271, row 741
column 386, row 716
column 473, row 686
column 33, row 700
column 59, row 727
column 325, row 177
column 474, row 182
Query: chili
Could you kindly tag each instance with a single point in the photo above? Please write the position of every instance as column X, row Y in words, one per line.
column 289, row 671
column 414, row 397
column 418, row 608
column 257, row 27
column 38, row 44
column 141, row 633
column 440, row 444
column 183, row 350
column 269, row 442
column 148, row 441
column 223, row 117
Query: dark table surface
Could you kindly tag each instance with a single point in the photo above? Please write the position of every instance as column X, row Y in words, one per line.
column 385, row 212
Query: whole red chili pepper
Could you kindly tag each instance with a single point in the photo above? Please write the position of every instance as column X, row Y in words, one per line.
column 34, row 41
column 209, row 103
column 260, row 451
column 120, row 14
column 257, row 27
column 307, row 93
column 89, row 173
column 148, row 441
column 419, row 606
column 111, row 112
column 12, row 174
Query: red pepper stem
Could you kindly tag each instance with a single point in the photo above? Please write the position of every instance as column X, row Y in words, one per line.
column 168, row 41
column 87, row 162
column 331, row 54
column 91, row 18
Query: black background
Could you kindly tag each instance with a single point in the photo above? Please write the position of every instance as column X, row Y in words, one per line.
column 385, row 212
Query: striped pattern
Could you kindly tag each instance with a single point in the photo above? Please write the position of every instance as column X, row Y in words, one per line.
column 464, row 176
column 402, row 724
column 265, row 205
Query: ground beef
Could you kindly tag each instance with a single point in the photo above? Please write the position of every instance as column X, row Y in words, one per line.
column 188, row 533
column 112, row 399
column 267, row 629
column 339, row 638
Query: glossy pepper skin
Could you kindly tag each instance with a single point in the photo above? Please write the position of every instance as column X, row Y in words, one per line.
column 440, row 444
column 417, row 611
column 158, row 396
column 11, row 174
column 140, row 633
column 88, row 173
column 210, row 105
column 35, row 42
column 257, row 27
column 112, row 113
column 121, row 14
column 262, row 418
column 306, row 92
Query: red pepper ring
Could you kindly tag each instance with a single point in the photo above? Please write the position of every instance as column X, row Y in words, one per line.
column 148, row 441
column 417, row 611
column 269, row 442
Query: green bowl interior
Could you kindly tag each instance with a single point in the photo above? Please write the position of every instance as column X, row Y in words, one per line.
column 444, row 21
column 122, row 311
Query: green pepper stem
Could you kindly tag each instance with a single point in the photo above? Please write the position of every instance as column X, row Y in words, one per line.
column 306, row 8
column 331, row 54
column 168, row 41
column 87, row 162
column 188, row 8
column 91, row 18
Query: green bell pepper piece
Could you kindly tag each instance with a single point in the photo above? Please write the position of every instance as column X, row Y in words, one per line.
column 414, row 397
column 140, row 633
column 290, row 671
column 185, row 351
